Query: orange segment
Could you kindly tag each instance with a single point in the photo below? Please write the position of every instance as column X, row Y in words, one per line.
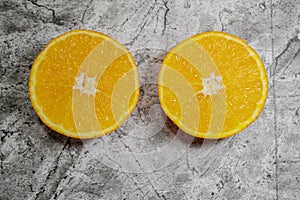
column 73, row 79
column 230, row 80
column 172, row 102
column 204, row 103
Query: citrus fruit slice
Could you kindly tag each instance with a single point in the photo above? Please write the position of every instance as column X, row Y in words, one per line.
column 212, row 85
column 84, row 84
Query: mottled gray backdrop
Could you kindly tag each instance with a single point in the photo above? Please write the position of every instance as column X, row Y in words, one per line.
column 148, row 158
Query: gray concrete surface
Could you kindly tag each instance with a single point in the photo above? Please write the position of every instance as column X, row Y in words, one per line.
column 145, row 159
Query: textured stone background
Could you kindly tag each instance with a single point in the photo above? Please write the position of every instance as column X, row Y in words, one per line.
column 137, row 161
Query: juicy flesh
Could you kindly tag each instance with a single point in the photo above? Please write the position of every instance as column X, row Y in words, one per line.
column 237, row 73
column 72, row 95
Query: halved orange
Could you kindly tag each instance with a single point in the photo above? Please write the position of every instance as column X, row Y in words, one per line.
column 84, row 84
column 212, row 85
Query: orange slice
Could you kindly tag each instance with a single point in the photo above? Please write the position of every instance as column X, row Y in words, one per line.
column 84, row 84
column 212, row 85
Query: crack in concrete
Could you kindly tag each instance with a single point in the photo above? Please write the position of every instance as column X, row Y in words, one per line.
column 220, row 19
column 52, row 171
column 2, row 158
column 7, row 133
column 120, row 169
column 55, row 192
column 289, row 162
column 287, row 96
column 187, row 4
column 156, row 16
column 84, row 12
column 237, row 162
column 285, row 54
column 288, row 55
column 160, row 196
column 127, row 19
column 53, row 13
column 157, row 20
column 165, row 16
column 290, row 62
column 297, row 113
column 275, row 108
column 141, row 27
column 123, row 172
column 207, row 168
column 192, row 169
